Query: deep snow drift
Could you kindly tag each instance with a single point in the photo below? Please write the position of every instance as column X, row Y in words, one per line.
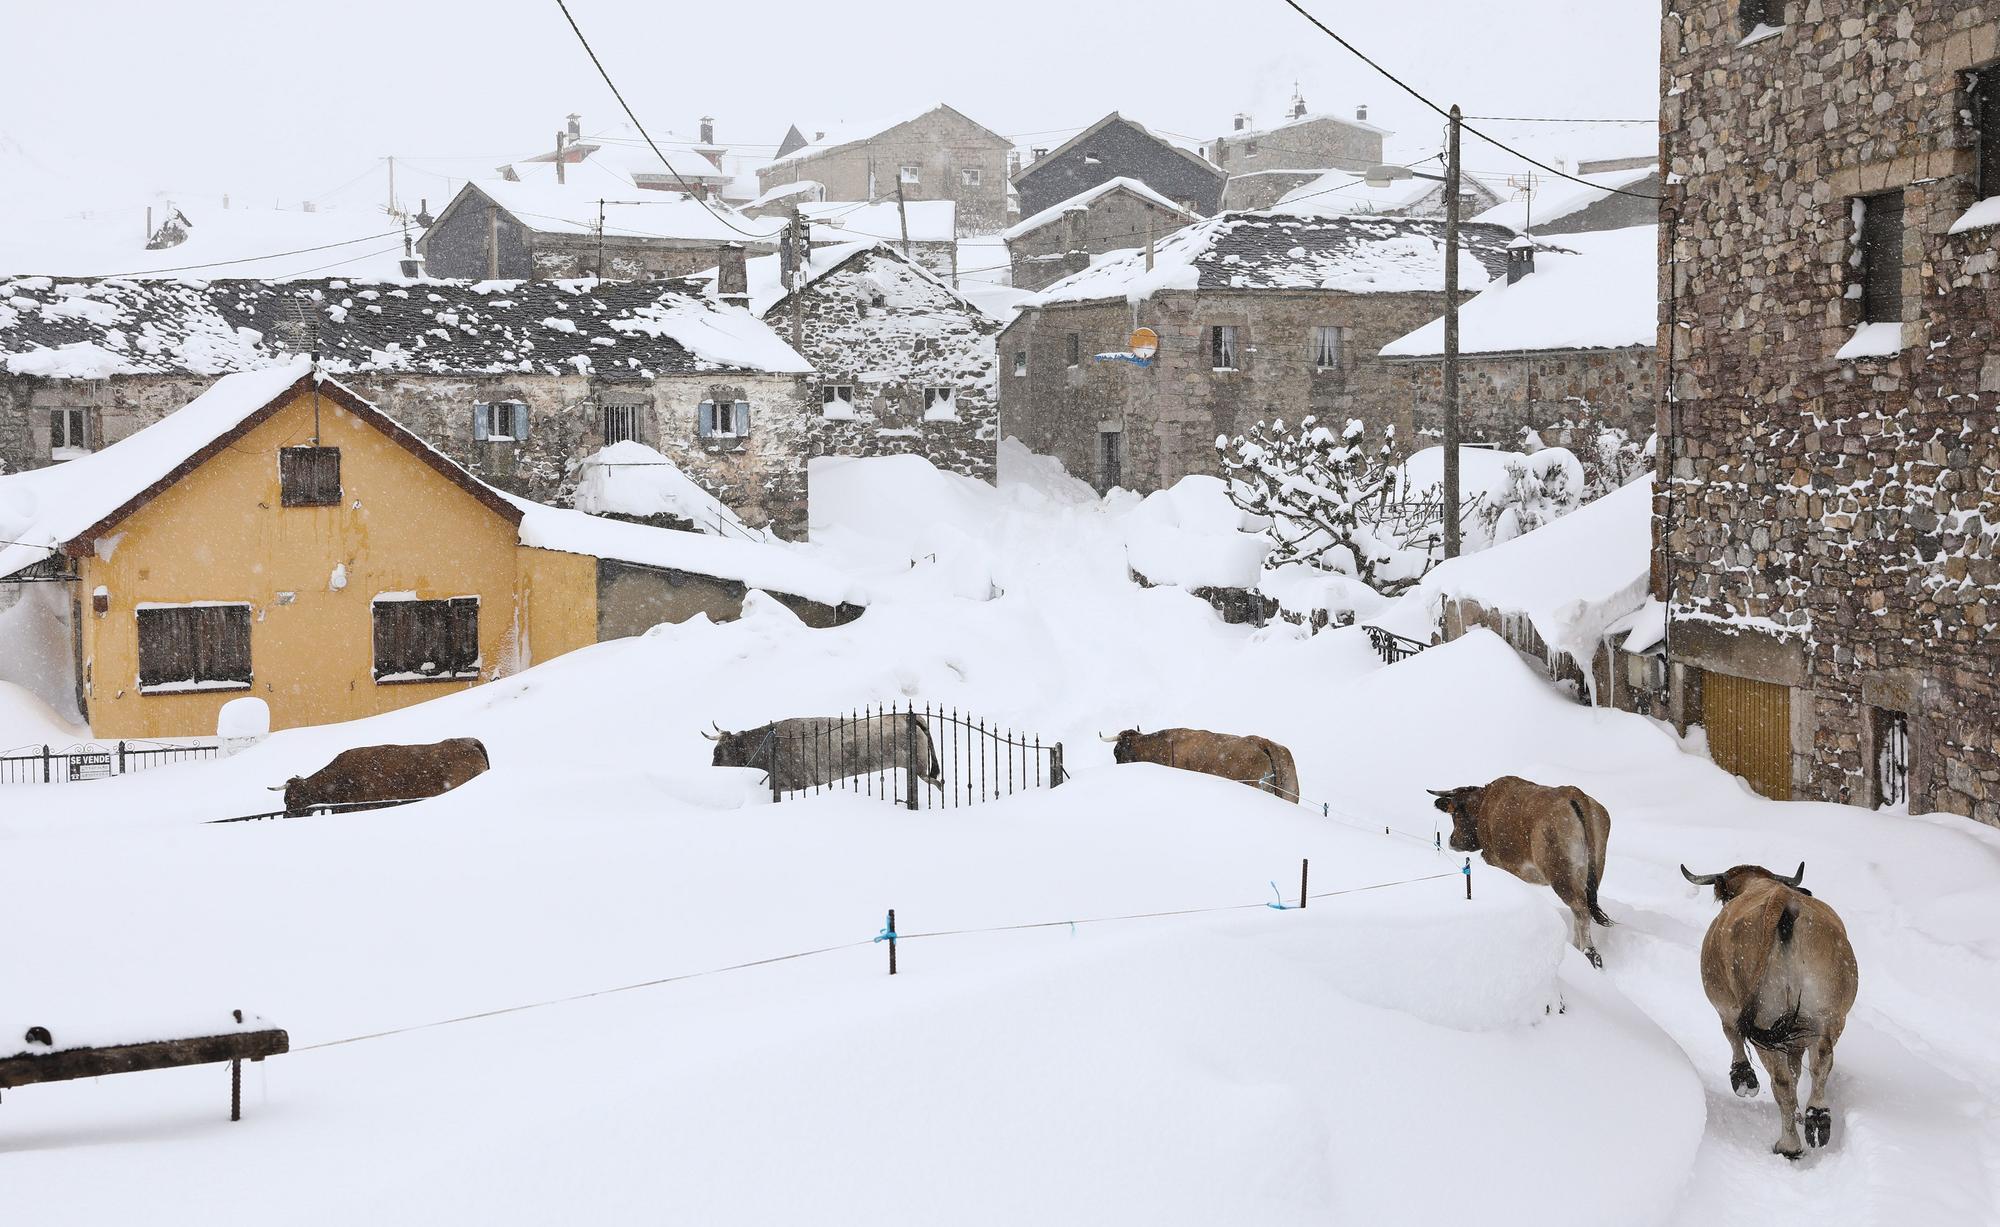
column 1387, row 1055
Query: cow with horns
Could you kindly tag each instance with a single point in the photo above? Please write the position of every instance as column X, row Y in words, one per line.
column 1554, row 837
column 1256, row 761
column 810, row 751
column 1777, row 966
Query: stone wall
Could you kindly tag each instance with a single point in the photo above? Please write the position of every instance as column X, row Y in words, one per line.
column 1114, row 221
column 462, row 244
column 1167, row 415
column 1501, row 396
column 940, row 144
column 1830, row 525
column 1318, row 143
column 1264, row 188
column 458, row 246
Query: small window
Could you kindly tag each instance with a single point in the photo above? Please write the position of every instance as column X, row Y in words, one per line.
column 1753, row 13
column 1222, row 349
column 1249, row 149
column 837, row 400
column 911, row 174
column 1110, row 464
column 69, row 433
column 1984, row 87
column 1326, row 348
column 426, row 641
column 969, row 176
column 500, row 421
column 1075, row 348
column 940, row 404
column 309, row 476
column 194, row 647
column 723, row 419
column 618, row 423
column 1881, row 257
column 1020, row 362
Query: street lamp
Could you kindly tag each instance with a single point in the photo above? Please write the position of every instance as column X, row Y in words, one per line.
column 1383, row 176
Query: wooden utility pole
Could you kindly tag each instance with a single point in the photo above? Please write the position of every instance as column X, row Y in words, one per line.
column 800, row 249
column 1451, row 504
column 902, row 214
column 392, row 185
column 600, row 235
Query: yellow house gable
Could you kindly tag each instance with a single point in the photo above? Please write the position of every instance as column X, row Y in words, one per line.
column 402, row 582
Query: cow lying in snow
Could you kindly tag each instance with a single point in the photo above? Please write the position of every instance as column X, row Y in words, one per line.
column 367, row 777
column 1256, row 761
column 1552, row 837
column 1777, row 966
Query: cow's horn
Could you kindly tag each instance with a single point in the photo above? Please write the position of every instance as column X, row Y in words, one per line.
column 1109, row 741
column 1436, row 792
column 1699, row 879
column 274, row 788
column 710, row 736
column 1796, row 878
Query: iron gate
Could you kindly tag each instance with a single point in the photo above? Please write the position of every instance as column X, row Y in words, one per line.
column 915, row 757
column 1892, row 758
column 89, row 761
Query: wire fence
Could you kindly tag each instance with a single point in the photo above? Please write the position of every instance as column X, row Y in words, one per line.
column 90, row 761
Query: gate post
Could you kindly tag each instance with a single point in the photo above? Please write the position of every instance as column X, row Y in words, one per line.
column 121, row 758
column 45, row 764
column 909, row 770
column 1056, row 773
column 776, row 792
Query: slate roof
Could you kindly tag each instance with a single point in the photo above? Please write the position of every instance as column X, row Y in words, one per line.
column 93, row 329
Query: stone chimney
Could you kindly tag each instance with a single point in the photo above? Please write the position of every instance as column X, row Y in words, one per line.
column 708, row 129
column 575, row 126
column 423, row 217
column 732, row 277
column 1242, row 122
column 1520, row 258
column 1075, row 257
column 412, row 264
column 1361, row 112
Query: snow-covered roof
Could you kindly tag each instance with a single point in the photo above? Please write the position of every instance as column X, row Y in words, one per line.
column 1555, row 198
column 1083, row 199
column 845, row 132
column 835, row 221
column 1251, row 134
column 1596, row 290
column 642, row 213
column 633, row 157
column 91, row 330
column 1270, row 251
column 233, row 242
column 785, row 191
column 766, row 274
column 1344, row 191
column 630, row 479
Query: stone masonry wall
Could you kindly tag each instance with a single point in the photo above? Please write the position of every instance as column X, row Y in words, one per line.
column 1834, row 525
column 940, row 144
column 1114, row 221
column 1322, row 143
column 1500, row 396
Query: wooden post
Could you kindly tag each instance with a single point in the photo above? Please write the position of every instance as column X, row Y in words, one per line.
column 121, row 758
column 902, row 214
column 1304, row 865
column 1467, row 871
column 1451, row 432
column 236, row 1090
column 1056, row 774
column 892, row 941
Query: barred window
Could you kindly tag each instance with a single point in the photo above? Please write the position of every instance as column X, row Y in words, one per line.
column 618, row 423
column 194, row 647
column 1075, row 348
column 426, row 641
column 309, row 476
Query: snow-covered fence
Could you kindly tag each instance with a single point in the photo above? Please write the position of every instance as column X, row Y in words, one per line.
column 918, row 758
column 1392, row 647
column 89, row 761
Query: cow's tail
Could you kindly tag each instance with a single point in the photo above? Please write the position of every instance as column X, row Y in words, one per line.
column 1592, row 869
column 1788, row 1031
column 1284, row 772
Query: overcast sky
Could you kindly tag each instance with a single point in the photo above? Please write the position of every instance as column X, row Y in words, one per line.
column 276, row 100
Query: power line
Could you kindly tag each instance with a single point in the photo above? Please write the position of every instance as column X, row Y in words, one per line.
column 1412, row 91
column 1551, row 119
column 276, row 255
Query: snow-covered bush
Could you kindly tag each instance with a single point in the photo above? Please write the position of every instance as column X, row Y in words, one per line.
column 1545, row 486
column 1611, row 457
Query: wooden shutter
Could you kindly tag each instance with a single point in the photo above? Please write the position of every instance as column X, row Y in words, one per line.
column 743, row 417
column 460, row 650
column 705, row 424
column 521, row 420
column 1749, row 726
column 166, row 647
column 309, row 476
column 1882, row 258
column 222, row 643
column 479, row 422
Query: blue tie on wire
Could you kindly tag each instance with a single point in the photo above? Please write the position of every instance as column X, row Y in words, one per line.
column 1281, row 905
column 888, row 933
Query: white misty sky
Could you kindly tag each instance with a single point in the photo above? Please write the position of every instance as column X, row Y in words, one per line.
column 288, row 101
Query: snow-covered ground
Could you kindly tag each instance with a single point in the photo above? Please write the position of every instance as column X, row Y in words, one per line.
column 1390, row 1055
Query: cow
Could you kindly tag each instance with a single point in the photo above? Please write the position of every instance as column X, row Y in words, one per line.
column 1777, row 966
column 1256, row 761
column 1552, row 837
column 808, row 751
column 369, row 777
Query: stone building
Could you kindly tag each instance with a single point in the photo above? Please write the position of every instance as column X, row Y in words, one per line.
column 1058, row 241
column 538, row 229
column 1305, row 141
column 1259, row 316
column 1119, row 148
column 1260, row 189
column 901, row 363
column 516, row 381
column 937, row 155
column 1614, row 199
column 1560, row 349
column 1830, row 513
column 925, row 230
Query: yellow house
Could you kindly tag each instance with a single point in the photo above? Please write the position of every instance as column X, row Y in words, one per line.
column 281, row 537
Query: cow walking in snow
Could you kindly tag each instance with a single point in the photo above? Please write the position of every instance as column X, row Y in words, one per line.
column 1256, row 761
column 367, row 777
column 1777, row 966
column 806, row 751
column 1554, row 837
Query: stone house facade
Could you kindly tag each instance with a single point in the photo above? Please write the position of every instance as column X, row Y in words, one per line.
column 1285, row 320
column 1119, row 148
column 1058, row 241
column 938, row 155
column 464, row 368
column 1260, row 189
column 1829, row 547
column 521, row 231
column 1303, row 142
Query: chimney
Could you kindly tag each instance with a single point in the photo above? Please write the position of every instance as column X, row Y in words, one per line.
column 1298, row 105
column 575, row 129
column 1075, row 257
column 1242, row 121
column 1037, row 153
column 708, row 129
column 1520, row 258
column 412, row 263
column 424, row 217
column 732, row 277
column 308, row 207
column 1361, row 112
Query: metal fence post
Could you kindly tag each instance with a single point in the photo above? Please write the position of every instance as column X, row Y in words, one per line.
column 121, row 758
column 1056, row 773
column 909, row 730
column 45, row 764
column 777, row 793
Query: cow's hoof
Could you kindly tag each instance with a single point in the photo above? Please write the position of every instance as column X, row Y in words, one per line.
column 1819, row 1126
column 1743, row 1080
column 1792, row 1154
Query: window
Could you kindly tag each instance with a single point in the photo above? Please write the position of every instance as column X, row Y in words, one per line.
column 1110, row 471
column 837, row 400
column 69, row 432
column 194, row 647
column 501, row 421
column 910, row 174
column 941, row 404
column 1753, row 13
column 724, row 419
column 309, row 476
column 1020, row 362
column 1880, row 257
column 1326, row 348
column 1075, row 348
column 618, row 423
column 969, row 176
column 426, row 641
column 1984, row 85
column 1222, row 347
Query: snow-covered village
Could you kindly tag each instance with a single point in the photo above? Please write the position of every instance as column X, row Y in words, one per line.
column 1302, row 613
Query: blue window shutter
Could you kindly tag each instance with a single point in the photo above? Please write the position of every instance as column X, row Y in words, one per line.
column 743, row 417
column 707, row 425
column 479, row 421
column 520, row 420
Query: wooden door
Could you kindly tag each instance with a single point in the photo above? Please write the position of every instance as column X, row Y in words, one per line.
column 1749, row 727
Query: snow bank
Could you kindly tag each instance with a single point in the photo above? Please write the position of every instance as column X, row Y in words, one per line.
column 1588, row 291
column 1190, row 535
column 629, row 478
column 721, row 336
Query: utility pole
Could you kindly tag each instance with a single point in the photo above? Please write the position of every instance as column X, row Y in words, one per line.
column 902, row 214
column 392, row 185
column 600, row 234
column 1451, row 182
column 799, row 248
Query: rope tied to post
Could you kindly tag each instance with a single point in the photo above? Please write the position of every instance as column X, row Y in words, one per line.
column 888, row 933
column 1281, row 905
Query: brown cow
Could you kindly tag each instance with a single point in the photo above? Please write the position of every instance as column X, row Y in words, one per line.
column 1552, row 837
column 368, row 777
column 1256, row 761
column 1777, row 966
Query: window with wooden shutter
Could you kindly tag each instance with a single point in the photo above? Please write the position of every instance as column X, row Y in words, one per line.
column 1882, row 258
column 309, row 476
column 194, row 647
column 426, row 641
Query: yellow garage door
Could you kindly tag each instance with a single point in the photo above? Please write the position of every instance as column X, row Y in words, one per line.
column 1749, row 727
